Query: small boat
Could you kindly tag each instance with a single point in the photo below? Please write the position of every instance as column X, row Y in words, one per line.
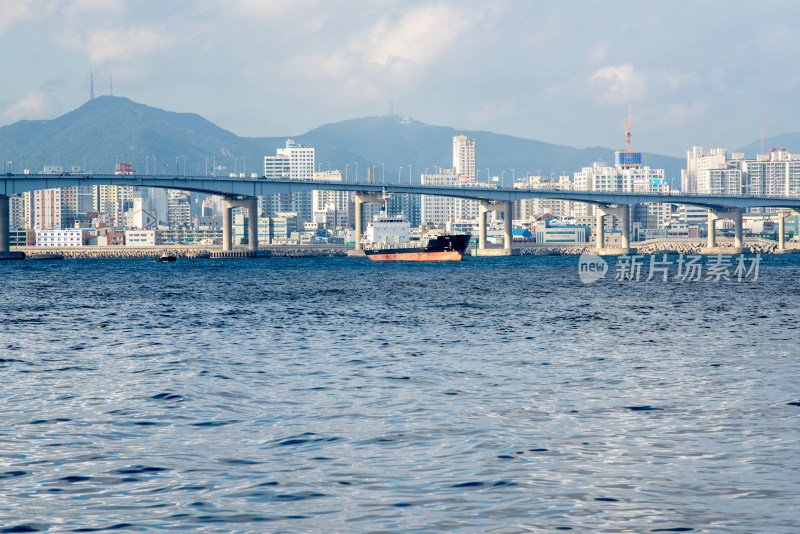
column 45, row 256
column 167, row 256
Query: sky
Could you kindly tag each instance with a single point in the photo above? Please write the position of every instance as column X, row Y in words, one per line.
column 695, row 72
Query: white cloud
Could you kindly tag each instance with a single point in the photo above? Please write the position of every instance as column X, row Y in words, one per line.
column 489, row 115
column 681, row 115
column 387, row 57
column 618, row 84
column 35, row 105
column 78, row 8
column 416, row 36
column 14, row 12
column 105, row 45
column 270, row 9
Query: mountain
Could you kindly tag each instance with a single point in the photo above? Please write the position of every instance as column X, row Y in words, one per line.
column 790, row 141
column 109, row 129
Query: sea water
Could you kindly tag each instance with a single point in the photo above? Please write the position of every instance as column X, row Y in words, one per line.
column 343, row 395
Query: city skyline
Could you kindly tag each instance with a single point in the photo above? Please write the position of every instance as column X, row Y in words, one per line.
column 695, row 74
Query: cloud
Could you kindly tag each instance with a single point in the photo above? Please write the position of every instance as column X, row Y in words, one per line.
column 15, row 12
column 35, row 105
column 271, row 9
column 106, row 45
column 416, row 36
column 618, row 84
column 681, row 115
column 385, row 58
column 79, row 8
column 489, row 115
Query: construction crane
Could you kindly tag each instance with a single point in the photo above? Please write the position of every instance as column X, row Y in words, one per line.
column 628, row 127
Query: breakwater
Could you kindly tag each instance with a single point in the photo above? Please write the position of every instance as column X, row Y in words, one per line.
column 659, row 246
column 289, row 251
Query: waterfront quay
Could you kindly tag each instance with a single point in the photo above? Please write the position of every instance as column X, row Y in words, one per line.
column 654, row 246
column 183, row 251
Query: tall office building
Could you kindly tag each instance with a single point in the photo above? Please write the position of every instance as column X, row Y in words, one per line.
column 464, row 156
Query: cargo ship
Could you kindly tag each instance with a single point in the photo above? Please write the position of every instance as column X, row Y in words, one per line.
column 388, row 239
column 445, row 247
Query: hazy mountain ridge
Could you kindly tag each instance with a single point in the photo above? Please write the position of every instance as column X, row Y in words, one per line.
column 109, row 129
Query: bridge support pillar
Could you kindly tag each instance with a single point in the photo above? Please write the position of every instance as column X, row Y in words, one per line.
column 482, row 211
column 359, row 200
column 712, row 229
column 623, row 213
column 483, row 208
column 227, row 226
column 716, row 213
column 600, row 234
column 251, row 205
column 781, row 232
column 737, row 230
column 4, row 224
column 252, row 223
column 507, row 224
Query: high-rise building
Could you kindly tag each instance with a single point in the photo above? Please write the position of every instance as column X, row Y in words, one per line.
column 629, row 179
column 179, row 212
column 775, row 173
column 293, row 162
column 531, row 208
column 331, row 207
column 435, row 210
column 406, row 205
column 48, row 209
column 17, row 215
column 464, row 156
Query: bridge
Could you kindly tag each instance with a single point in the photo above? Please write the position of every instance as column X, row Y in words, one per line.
column 243, row 192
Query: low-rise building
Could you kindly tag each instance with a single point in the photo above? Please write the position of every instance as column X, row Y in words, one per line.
column 554, row 231
column 141, row 238
column 65, row 237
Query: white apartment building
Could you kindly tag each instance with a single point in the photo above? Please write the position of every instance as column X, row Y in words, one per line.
column 464, row 156
column 601, row 177
column 711, row 172
column 775, row 173
column 66, row 237
column 439, row 210
column 330, row 207
column 294, row 162
column 530, row 208
column 47, row 207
